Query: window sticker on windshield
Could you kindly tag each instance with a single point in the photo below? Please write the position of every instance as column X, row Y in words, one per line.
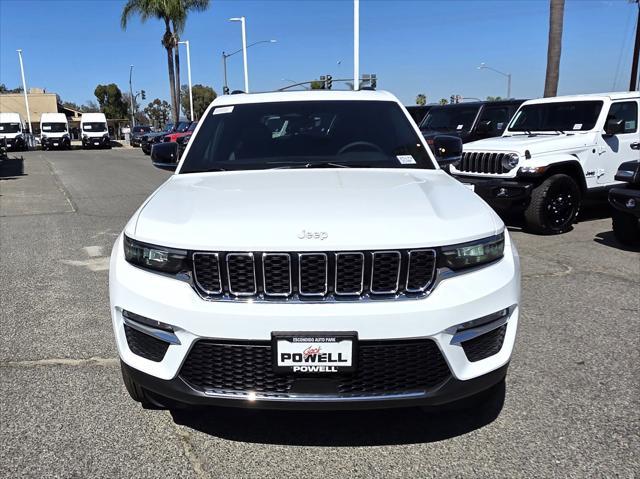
column 577, row 126
column 406, row 159
column 224, row 109
column 46, row 128
column 630, row 125
column 88, row 127
column 1, row 127
column 460, row 127
column 499, row 126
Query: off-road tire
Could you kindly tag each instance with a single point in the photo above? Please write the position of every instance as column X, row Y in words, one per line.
column 625, row 227
column 554, row 191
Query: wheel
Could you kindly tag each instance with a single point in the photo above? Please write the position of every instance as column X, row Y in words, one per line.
column 554, row 205
column 625, row 227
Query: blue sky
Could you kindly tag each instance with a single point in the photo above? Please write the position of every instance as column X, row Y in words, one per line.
column 422, row 46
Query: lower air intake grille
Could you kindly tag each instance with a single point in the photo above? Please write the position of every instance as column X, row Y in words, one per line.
column 144, row 345
column 389, row 367
column 486, row 345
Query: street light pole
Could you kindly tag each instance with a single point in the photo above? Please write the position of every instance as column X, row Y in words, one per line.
column 133, row 113
column 356, row 44
column 186, row 42
column 225, row 56
column 483, row 66
column 24, row 89
column 243, row 23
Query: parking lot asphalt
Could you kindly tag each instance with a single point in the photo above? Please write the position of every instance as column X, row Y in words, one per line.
column 571, row 407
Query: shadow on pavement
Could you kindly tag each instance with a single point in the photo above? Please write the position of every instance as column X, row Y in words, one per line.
column 341, row 428
column 11, row 167
column 608, row 238
column 589, row 211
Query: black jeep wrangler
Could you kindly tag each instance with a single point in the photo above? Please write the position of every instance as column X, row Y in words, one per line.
column 626, row 203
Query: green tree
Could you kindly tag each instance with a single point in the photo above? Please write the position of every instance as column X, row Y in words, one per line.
column 172, row 13
column 110, row 100
column 317, row 85
column 159, row 112
column 494, row 98
column 421, row 99
column 90, row 107
column 556, row 19
column 72, row 105
column 4, row 89
column 202, row 98
column 443, row 101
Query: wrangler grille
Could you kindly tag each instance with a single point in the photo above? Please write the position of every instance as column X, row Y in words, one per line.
column 314, row 275
column 482, row 162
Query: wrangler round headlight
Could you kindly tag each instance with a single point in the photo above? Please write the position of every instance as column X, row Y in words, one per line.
column 510, row 161
column 156, row 258
column 474, row 253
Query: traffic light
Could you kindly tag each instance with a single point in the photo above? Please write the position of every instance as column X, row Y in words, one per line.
column 452, row 99
column 143, row 94
column 329, row 82
column 323, row 82
column 374, row 80
column 225, row 90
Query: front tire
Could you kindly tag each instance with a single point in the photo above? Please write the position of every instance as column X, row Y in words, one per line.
column 625, row 227
column 554, row 205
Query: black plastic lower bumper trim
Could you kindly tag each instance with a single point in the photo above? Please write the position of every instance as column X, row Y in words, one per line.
column 449, row 391
column 619, row 199
column 499, row 192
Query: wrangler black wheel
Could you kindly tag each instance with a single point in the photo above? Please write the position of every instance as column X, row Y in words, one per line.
column 554, row 205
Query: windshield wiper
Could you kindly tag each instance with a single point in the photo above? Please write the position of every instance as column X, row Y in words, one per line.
column 323, row 164
column 207, row 170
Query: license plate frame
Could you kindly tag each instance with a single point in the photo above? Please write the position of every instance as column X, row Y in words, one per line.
column 331, row 362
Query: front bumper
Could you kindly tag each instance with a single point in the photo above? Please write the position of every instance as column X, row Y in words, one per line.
column 433, row 319
column 15, row 144
column 96, row 142
column 625, row 199
column 60, row 142
column 500, row 193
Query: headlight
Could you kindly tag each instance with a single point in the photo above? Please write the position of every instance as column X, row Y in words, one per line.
column 510, row 161
column 157, row 258
column 84, row 137
column 473, row 253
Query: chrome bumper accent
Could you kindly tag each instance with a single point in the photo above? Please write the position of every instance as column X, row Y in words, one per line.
column 160, row 334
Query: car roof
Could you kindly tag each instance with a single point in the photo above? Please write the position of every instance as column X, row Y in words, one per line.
column 479, row 103
column 620, row 95
column 311, row 95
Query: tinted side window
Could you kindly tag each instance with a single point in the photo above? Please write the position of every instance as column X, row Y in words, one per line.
column 497, row 115
column 627, row 111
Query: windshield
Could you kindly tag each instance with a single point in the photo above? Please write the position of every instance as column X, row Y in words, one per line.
column 141, row 129
column 557, row 116
column 182, row 126
column 306, row 134
column 94, row 127
column 450, row 118
column 192, row 127
column 54, row 127
column 9, row 127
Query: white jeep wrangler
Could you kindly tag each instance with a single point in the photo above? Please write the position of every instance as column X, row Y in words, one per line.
column 555, row 152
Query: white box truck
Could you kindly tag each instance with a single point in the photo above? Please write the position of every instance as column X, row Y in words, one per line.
column 12, row 132
column 95, row 133
column 54, row 131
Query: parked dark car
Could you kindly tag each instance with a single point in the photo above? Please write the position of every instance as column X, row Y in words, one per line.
column 626, row 203
column 137, row 132
column 418, row 112
column 182, row 129
column 469, row 121
column 150, row 139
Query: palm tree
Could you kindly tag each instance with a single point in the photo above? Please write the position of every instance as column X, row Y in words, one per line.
column 421, row 99
column 556, row 15
column 161, row 10
column 179, row 19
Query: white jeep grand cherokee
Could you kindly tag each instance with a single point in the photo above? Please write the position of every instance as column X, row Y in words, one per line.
column 308, row 252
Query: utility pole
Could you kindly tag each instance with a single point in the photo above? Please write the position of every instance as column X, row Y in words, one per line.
column 634, row 82
column 186, row 43
column 24, row 89
column 356, row 44
column 243, row 24
column 133, row 113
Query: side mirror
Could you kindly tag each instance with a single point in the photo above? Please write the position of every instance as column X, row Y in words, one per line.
column 629, row 171
column 484, row 126
column 447, row 149
column 165, row 156
column 613, row 127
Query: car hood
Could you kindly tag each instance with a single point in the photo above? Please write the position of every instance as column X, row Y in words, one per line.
column 350, row 209
column 536, row 144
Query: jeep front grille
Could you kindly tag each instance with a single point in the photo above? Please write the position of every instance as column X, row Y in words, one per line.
column 344, row 275
column 481, row 162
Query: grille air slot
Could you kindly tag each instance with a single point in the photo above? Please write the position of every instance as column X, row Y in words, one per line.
column 313, row 270
column 385, row 272
column 241, row 273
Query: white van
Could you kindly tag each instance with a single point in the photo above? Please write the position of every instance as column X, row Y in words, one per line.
column 54, row 131
column 13, row 132
column 95, row 132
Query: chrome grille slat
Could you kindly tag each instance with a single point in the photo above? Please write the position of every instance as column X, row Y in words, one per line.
column 241, row 274
column 349, row 274
column 209, row 279
column 421, row 270
column 276, row 274
column 387, row 261
column 313, row 269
